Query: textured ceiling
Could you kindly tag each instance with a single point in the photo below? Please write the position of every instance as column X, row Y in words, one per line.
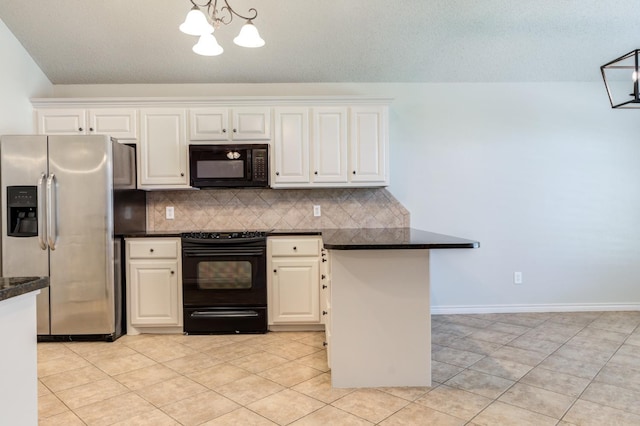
column 137, row 41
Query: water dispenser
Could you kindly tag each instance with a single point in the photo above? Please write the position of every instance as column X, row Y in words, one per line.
column 22, row 211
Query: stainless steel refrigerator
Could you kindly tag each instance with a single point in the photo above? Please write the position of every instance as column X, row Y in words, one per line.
column 66, row 202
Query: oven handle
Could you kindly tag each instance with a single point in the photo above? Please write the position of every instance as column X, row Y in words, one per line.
column 224, row 314
column 220, row 252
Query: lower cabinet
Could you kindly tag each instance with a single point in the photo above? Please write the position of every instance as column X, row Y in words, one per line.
column 294, row 281
column 154, row 285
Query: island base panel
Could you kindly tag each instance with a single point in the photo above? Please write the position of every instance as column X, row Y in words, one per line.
column 380, row 315
column 19, row 383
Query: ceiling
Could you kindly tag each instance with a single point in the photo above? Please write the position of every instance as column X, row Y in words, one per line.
column 138, row 41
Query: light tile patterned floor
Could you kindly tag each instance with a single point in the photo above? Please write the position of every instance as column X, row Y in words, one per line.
column 491, row 369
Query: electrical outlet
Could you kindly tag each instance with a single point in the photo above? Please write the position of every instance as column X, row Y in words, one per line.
column 169, row 213
column 316, row 211
column 517, row 277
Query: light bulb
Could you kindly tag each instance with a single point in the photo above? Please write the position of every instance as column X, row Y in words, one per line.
column 249, row 36
column 196, row 23
column 634, row 76
column 207, row 45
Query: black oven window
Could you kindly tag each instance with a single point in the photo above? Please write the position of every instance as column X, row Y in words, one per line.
column 220, row 169
column 231, row 275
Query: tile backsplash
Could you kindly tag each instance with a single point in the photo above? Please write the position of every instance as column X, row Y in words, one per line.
column 237, row 209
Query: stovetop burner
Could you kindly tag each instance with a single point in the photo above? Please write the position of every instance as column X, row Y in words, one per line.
column 224, row 235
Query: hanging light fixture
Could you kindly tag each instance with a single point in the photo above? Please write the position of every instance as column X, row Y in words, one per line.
column 199, row 23
column 621, row 80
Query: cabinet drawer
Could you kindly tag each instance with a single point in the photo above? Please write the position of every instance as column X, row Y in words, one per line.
column 153, row 249
column 295, row 247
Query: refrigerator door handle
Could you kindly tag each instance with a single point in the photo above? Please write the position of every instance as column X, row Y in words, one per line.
column 51, row 210
column 42, row 228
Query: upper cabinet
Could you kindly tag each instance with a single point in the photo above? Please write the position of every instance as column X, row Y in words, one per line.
column 329, row 134
column 291, row 152
column 368, row 144
column 229, row 124
column 338, row 147
column 120, row 123
column 162, row 157
column 315, row 142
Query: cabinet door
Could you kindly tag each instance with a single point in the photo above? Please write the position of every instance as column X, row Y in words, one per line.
column 291, row 146
column 153, row 291
column 295, row 291
column 251, row 124
column 61, row 121
column 209, row 124
column 120, row 123
column 329, row 143
column 368, row 144
column 163, row 148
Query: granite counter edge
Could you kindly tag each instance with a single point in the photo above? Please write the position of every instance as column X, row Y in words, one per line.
column 17, row 286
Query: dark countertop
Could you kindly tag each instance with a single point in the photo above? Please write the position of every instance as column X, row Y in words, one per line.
column 360, row 238
column 16, row 286
column 176, row 234
column 391, row 238
column 152, row 234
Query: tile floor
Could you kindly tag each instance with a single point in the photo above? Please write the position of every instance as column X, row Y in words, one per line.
column 491, row 369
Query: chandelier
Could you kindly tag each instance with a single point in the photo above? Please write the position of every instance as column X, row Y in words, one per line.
column 199, row 23
column 618, row 75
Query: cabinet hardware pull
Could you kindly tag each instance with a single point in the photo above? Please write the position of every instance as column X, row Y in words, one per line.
column 315, row 173
column 325, row 344
column 235, row 131
column 324, row 312
column 354, row 172
column 324, row 260
column 224, row 130
column 324, row 286
column 182, row 174
column 277, row 173
column 80, row 129
column 295, row 248
column 151, row 250
column 275, row 270
column 323, row 276
column 173, row 272
column 91, row 129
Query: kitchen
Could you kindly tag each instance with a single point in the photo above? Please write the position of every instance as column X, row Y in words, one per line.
column 541, row 174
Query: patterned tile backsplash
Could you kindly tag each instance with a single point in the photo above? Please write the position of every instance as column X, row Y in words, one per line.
column 237, row 209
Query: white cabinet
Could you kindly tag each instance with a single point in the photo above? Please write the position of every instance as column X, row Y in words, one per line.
column 154, row 285
column 294, row 280
column 368, row 144
column 329, row 140
column 120, row 123
column 229, row 124
column 337, row 147
column 291, row 147
column 162, row 156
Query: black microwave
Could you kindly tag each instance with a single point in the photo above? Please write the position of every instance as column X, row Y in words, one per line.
column 229, row 166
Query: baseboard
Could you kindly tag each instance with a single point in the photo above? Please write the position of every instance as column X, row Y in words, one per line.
column 511, row 309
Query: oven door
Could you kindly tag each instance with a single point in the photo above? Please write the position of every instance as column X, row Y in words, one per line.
column 222, row 274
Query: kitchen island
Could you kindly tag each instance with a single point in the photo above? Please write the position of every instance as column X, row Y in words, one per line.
column 379, row 331
column 18, row 358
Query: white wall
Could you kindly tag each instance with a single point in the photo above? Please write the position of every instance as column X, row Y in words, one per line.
column 20, row 79
column 546, row 176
